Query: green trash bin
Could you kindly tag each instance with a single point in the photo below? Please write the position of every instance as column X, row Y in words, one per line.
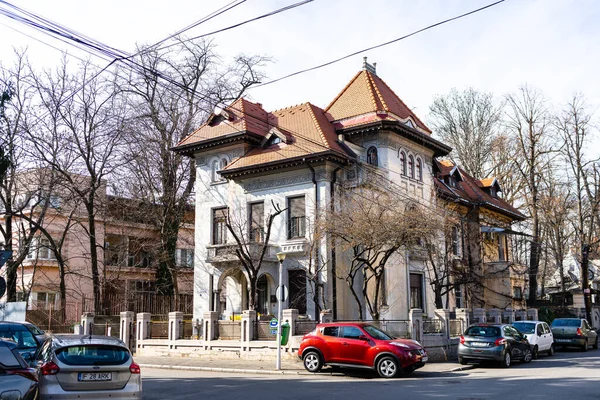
column 285, row 333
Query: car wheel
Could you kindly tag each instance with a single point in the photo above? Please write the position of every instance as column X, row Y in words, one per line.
column 312, row 361
column 535, row 354
column 387, row 367
column 595, row 346
column 551, row 350
column 462, row 361
column 585, row 346
column 528, row 356
column 507, row 359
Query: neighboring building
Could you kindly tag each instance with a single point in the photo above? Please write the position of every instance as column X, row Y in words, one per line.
column 483, row 241
column 126, row 244
column 249, row 161
column 573, row 295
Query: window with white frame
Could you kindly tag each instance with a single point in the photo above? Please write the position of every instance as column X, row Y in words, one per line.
column 257, row 222
column 411, row 166
column 184, row 258
column 372, row 156
column 455, row 238
column 44, row 300
column 403, row 163
column 219, row 225
column 216, row 166
column 296, row 223
column 416, row 291
column 41, row 249
column 419, row 170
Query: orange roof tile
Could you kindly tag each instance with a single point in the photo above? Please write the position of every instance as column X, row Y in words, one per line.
column 487, row 182
column 367, row 93
column 310, row 132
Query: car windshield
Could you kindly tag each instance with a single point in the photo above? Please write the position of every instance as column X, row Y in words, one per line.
column 485, row 331
column 525, row 327
column 21, row 336
column 93, row 355
column 566, row 322
column 377, row 333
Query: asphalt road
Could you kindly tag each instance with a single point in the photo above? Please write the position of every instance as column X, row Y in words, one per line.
column 568, row 375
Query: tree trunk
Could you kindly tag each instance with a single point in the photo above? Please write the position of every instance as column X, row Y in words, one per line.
column 98, row 303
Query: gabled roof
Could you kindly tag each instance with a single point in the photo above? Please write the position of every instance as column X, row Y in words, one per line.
column 243, row 117
column 309, row 131
column 468, row 190
column 367, row 95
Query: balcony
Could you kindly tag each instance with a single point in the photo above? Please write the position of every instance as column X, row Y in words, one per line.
column 223, row 253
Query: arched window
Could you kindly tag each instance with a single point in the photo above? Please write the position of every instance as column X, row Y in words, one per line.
column 411, row 166
column 419, row 170
column 403, row 163
column 372, row 156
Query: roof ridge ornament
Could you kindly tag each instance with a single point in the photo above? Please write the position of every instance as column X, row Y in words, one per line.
column 372, row 68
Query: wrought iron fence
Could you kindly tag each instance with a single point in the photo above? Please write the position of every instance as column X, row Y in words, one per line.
column 433, row 325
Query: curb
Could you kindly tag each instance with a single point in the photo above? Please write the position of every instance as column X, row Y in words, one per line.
column 226, row 370
column 256, row 371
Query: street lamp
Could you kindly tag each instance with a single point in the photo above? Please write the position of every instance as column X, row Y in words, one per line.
column 280, row 257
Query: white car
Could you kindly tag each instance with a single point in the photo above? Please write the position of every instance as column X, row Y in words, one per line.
column 538, row 334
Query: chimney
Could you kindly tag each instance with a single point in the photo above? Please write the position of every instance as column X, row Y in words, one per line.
column 372, row 68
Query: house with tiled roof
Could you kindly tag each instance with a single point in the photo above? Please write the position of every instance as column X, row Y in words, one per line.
column 251, row 162
column 484, row 244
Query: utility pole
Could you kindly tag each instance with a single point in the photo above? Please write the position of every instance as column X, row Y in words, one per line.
column 585, row 253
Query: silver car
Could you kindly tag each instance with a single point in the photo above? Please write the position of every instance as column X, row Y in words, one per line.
column 86, row 366
column 17, row 380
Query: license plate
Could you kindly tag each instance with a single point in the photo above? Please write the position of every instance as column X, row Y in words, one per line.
column 94, row 376
column 424, row 358
column 562, row 340
column 479, row 344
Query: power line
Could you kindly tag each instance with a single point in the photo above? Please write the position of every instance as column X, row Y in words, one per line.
column 378, row 45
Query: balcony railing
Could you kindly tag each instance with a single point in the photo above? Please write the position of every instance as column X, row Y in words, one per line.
column 226, row 252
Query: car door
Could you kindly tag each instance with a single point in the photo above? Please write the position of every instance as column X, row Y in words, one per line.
column 517, row 342
column 331, row 349
column 354, row 346
column 589, row 332
column 546, row 339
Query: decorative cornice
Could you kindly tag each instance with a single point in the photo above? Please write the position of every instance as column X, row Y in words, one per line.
column 272, row 183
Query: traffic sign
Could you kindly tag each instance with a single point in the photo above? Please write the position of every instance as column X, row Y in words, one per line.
column 4, row 256
column 273, row 323
column 282, row 293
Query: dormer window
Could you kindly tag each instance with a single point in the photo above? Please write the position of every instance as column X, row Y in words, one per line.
column 372, row 156
column 274, row 140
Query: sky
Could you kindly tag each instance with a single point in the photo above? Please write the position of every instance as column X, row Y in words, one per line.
column 552, row 45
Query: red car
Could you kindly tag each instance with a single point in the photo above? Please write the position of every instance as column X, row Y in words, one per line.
column 360, row 345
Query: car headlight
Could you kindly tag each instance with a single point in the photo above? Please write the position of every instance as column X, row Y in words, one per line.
column 400, row 345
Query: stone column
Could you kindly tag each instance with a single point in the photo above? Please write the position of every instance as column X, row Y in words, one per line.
column 416, row 324
column 197, row 329
column 208, row 330
column 444, row 316
column 175, row 325
column 87, row 323
column 496, row 315
column 463, row 315
column 126, row 329
column 143, row 326
column 521, row 315
column 290, row 316
column 248, row 321
column 326, row 316
column 532, row 314
column 479, row 316
column 508, row 315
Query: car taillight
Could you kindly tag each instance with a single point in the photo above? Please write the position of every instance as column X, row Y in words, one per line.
column 134, row 368
column 24, row 372
column 462, row 339
column 500, row 342
column 49, row 368
column 579, row 332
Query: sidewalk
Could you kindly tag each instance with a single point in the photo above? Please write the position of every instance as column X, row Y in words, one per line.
column 241, row 366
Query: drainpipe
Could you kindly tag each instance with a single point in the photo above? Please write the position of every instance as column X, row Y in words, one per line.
column 333, row 249
column 317, row 248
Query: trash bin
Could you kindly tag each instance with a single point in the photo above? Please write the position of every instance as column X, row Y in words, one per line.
column 285, row 333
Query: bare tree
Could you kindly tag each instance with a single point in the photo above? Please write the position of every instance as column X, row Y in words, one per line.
column 78, row 133
column 251, row 247
column 528, row 121
column 372, row 225
column 469, row 122
column 172, row 93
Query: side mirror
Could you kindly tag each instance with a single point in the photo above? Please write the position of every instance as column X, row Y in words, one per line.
column 539, row 333
column 363, row 337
